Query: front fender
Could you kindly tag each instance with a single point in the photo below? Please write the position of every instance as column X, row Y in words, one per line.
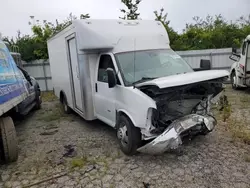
column 233, row 67
column 134, row 104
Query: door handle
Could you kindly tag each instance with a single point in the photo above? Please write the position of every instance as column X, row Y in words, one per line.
column 96, row 88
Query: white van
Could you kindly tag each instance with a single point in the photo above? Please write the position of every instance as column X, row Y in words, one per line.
column 125, row 74
column 240, row 69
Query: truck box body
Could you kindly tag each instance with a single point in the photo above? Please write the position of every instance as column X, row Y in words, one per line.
column 125, row 74
column 12, row 87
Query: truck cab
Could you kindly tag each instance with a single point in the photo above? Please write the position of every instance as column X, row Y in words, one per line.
column 33, row 100
column 19, row 93
column 240, row 69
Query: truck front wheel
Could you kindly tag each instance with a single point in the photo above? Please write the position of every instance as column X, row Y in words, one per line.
column 128, row 135
column 9, row 151
column 234, row 81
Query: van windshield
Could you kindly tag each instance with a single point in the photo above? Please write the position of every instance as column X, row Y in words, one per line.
column 140, row 66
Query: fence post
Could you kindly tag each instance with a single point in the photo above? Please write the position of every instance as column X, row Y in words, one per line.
column 45, row 75
column 211, row 59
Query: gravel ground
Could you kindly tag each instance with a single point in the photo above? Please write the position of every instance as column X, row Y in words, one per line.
column 65, row 151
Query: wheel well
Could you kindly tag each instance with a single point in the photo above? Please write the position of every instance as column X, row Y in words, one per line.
column 233, row 71
column 119, row 114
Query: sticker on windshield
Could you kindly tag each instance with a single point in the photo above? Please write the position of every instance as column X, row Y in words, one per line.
column 175, row 56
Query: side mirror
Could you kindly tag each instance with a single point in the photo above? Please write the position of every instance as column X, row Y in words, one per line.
column 234, row 57
column 111, row 78
column 205, row 64
column 234, row 50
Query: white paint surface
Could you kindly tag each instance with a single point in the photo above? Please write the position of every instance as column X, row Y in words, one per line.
column 183, row 79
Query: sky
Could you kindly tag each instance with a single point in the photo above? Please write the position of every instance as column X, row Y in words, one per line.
column 15, row 14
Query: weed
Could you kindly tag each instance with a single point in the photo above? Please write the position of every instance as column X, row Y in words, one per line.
column 226, row 113
column 224, row 107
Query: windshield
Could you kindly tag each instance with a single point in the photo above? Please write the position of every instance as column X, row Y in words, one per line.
column 144, row 65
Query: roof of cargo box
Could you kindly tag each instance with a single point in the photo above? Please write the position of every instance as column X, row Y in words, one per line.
column 120, row 35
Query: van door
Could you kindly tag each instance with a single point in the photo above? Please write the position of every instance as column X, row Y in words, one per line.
column 75, row 75
column 105, row 96
column 248, row 59
column 244, row 65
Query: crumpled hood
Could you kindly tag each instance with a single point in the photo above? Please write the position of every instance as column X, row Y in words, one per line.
column 183, row 79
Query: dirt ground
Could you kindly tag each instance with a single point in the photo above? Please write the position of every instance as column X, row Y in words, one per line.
column 58, row 150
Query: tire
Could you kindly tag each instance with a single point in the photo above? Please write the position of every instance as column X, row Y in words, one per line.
column 8, row 140
column 38, row 97
column 128, row 135
column 234, row 86
column 38, row 104
column 66, row 108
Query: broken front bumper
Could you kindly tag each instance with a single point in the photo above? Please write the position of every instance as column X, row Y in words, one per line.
column 171, row 138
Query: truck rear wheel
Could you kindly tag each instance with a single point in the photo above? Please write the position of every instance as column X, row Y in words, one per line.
column 128, row 135
column 66, row 108
column 9, row 150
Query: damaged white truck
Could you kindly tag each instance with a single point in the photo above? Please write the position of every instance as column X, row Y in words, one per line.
column 125, row 74
column 240, row 69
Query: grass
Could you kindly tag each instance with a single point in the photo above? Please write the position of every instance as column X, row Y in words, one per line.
column 231, row 111
column 56, row 113
column 239, row 130
column 50, row 116
column 48, row 96
column 247, row 158
column 78, row 162
column 245, row 99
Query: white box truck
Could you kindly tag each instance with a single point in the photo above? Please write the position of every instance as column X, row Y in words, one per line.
column 125, row 74
column 240, row 69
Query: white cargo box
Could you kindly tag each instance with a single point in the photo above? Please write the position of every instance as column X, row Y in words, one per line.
column 74, row 54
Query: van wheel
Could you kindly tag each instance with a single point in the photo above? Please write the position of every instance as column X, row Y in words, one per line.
column 233, row 81
column 38, row 103
column 128, row 135
column 66, row 108
column 8, row 140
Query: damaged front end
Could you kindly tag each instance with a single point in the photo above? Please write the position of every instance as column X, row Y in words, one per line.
column 182, row 111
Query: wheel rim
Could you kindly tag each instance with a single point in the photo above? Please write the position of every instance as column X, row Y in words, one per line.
column 65, row 107
column 122, row 134
column 234, row 81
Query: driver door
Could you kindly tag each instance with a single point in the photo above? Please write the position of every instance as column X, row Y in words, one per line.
column 30, row 87
column 105, row 96
column 248, row 59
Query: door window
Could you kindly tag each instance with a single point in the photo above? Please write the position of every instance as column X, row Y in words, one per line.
column 244, row 48
column 105, row 62
column 248, row 50
column 26, row 75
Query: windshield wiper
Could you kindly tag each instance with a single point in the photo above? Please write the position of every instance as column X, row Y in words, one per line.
column 143, row 79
